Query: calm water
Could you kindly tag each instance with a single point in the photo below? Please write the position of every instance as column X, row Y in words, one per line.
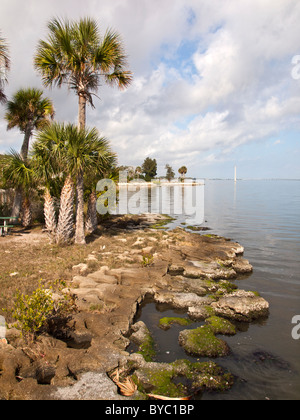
column 263, row 216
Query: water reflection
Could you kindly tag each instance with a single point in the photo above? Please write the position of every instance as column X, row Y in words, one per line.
column 264, row 217
column 182, row 201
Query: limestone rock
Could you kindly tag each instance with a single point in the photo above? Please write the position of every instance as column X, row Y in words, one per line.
column 182, row 300
column 104, row 276
column 80, row 269
column 91, row 386
column 140, row 333
column 241, row 306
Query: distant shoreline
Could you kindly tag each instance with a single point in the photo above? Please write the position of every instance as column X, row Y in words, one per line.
column 159, row 184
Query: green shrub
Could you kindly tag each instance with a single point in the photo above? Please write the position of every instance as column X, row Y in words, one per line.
column 147, row 260
column 34, row 312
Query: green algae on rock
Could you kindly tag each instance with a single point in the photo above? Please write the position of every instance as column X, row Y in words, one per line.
column 202, row 342
column 221, row 326
column 166, row 323
column 181, row 378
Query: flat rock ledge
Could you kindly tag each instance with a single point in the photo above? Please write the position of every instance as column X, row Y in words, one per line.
column 186, row 270
column 241, row 306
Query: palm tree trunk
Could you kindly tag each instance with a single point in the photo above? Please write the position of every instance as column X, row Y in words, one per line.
column 65, row 226
column 91, row 217
column 82, row 112
column 49, row 213
column 25, row 145
column 26, row 213
column 17, row 204
column 79, row 233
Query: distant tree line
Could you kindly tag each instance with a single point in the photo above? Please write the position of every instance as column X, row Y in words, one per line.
column 148, row 171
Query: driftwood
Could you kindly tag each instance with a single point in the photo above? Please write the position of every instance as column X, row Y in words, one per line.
column 160, row 397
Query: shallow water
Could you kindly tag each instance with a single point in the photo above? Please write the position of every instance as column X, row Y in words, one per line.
column 264, row 217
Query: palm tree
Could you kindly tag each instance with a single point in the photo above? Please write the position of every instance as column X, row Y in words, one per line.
column 75, row 54
column 85, row 151
column 65, row 224
column 19, row 173
column 183, row 171
column 76, row 153
column 27, row 111
column 47, row 170
column 48, row 157
column 4, row 68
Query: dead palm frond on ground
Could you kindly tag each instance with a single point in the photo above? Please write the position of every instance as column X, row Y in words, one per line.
column 126, row 385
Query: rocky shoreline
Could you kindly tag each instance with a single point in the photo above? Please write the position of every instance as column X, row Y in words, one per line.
column 184, row 270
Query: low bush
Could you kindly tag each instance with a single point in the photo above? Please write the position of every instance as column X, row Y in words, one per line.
column 34, row 312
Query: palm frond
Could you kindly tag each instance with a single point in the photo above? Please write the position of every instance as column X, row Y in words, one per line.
column 75, row 54
column 29, row 106
column 126, row 385
column 4, row 68
column 162, row 398
column 18, row 172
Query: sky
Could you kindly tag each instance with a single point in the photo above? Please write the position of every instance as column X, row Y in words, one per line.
column 216, row 82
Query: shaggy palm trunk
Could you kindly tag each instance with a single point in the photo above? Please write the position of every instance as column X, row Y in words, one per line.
column 91, row 217
column 26, row 213
column 65, row 226
column 17, row 204
column 80, row 234
column 49, row 213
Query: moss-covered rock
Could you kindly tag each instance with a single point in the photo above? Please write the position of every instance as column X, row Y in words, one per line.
column 202, row 342
column 181, row 378
column 221, row 326
column 166, row 323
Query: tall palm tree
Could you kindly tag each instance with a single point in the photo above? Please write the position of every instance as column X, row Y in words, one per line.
column 4, row 68
column 75, row 54
column 19, row 173
column 28, row 111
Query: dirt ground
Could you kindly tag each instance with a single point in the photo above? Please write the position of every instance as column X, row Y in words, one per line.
column 28, row 258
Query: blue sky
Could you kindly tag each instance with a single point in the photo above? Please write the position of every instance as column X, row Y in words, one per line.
column 213, row 85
